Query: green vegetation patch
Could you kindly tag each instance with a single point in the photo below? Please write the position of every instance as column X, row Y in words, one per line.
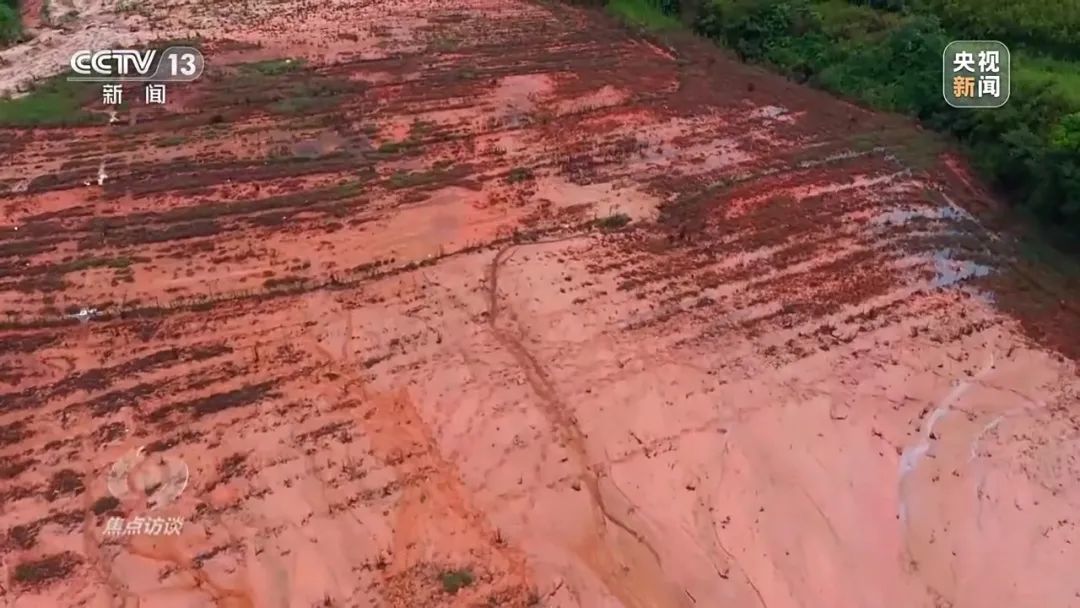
column 310, row 95
column 408, row 179
column 10, row 24
column 170, row 140
column 272, row 67
column 613, row 221
column 90, row 262
column 456, row 580
column 303, row 105
column 195, row 41
column 649, row 14
column 519, row 174
column 412, row 143
column 282, row 86
column 404, row 146
column 1052, row 26
column 52, row 102
column 1032, row 71
column 421, row 128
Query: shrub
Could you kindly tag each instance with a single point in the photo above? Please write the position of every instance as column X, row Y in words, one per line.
column 10, row 27
column 455, row 580
column 613, row 221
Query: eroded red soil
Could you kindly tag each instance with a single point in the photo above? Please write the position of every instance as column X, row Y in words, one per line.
column 501, row 288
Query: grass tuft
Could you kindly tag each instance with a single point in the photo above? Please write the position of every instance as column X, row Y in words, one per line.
column 613, row 221
column 519, row 174
column 399, row 147
column 413, row 179
column 455, row 580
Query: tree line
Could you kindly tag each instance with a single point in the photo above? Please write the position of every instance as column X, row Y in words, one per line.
column 887, row 55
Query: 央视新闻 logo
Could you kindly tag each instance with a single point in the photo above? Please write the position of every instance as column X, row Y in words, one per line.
column 976, row 74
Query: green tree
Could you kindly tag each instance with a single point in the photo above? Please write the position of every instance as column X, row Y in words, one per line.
column 1060, row 195
column 10, row 29
column 754, row 27
column 1065, row 135
column 913, row 65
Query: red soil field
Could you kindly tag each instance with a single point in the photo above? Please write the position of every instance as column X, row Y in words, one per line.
column 497, row 303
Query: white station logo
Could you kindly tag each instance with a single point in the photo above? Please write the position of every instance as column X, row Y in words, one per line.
column 113, row 62
column 159, row 479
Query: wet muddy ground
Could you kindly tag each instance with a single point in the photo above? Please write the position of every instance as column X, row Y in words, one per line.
column 491, row 303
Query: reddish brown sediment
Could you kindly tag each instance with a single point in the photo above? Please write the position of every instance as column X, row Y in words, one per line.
column 501, row 287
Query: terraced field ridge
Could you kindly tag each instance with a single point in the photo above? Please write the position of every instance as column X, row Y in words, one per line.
column 498, row 303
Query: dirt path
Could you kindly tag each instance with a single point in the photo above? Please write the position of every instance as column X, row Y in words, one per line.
column 495, row 303
column 635, row 581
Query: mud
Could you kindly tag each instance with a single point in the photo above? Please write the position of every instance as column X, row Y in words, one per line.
column 488, row 302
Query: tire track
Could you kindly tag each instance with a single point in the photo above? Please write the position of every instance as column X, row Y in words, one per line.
column 565, row 425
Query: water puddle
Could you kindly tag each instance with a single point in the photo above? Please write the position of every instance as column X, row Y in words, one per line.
column 974, row 451
column 913, row 454
column 949, row 271
column 773, row 113
column 900, row 217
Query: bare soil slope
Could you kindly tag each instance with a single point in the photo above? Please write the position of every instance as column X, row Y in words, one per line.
column 417, row 288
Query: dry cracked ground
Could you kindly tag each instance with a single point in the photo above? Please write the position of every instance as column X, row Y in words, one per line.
column 496, row 303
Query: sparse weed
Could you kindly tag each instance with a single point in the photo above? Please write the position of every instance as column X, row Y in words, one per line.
column 542, row 117
column 49, row 568
column 272, row 67
column 420, row 128
column 87, row 263
column 399, row 147
column 350, row 188
column 445, row 44
column 519, row 174
column 303, row 105
column 613, row 221
column 169, row 141
column 407, row 179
